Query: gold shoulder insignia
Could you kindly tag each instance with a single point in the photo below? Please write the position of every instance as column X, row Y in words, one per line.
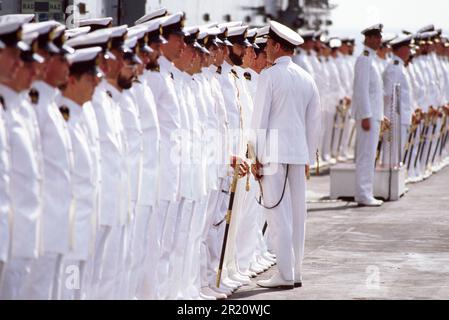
column 65, row 111
column 234, row 73
column 247, row 76
column 2, row 103
column 366, row 53
column 34, row 96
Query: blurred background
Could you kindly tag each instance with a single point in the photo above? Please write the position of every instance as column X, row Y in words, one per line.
column 336, row 17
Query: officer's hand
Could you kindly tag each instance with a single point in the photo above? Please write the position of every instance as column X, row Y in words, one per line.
column 348, row 101
column 366, row 124
column 386, row 124
column 255, row 170
column 243, row 166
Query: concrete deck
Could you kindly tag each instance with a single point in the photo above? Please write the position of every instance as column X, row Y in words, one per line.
column 399, row 251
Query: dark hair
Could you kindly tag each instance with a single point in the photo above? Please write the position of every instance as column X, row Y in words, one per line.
column 285, row 46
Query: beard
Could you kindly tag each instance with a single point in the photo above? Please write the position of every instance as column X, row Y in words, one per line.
column 236, row 60
column 125, row 83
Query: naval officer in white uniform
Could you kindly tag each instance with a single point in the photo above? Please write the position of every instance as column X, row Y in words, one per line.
column 288, row 105
column 368, row 112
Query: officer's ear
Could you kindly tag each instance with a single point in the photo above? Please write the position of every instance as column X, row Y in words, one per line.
column 277, row 46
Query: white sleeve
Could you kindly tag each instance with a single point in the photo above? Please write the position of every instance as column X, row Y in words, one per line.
column 261, row 114
column 361, row 88
column 313, row 124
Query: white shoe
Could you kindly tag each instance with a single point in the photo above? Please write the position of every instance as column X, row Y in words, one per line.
column 264, row 263
column 298, row 281
column 244, row 281
column 223, row 289
column 371, row 203
column 202, row 296
column 271, row 260
column 248, row 273
column 211, row 293
column 234, row 285
column 270, row 255
column 276, row 282
column 256, row 268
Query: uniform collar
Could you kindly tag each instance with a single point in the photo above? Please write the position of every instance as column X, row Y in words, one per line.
column 165, row 64
column 45, row 90
column 225, row 67
column 11, row 98
column 75, row 109
column 283, row 60
column 114, row 92
column 398, row 61
column 372, row 52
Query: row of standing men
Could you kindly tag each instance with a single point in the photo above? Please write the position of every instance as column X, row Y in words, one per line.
column 117, row 152
column 418, row 63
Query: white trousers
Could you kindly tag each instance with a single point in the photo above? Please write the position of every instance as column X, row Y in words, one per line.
column 247, row 236
column 347, row 145
column 97, row 264
column 193, row 266
column 114, row 250
column 238, row 214
column 150, row 284
column 14, row 276
column 365, row 159
column 328, row 120
column 216, row 233
column 172, row 218
column 138, row 252
column 43, row 281
column 287, row 222
column 180, row 254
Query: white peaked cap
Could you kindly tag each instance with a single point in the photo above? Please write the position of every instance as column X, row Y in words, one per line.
column 83, row 55
column 263, row 31
column 286, row 33
column 88, row 39
column 95, row 21
column 23, row 18
column 152, row 15
column 76, row 32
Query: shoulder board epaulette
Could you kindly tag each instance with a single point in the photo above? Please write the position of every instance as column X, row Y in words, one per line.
column 172, row 76
column 219, row 69
column 366, row 53
column 109, row 93
column 234, row 73
column 396, row 62
column 155, row 68
column 34, row 96
column 2, row 103
column 247, row 76
column 65, row 111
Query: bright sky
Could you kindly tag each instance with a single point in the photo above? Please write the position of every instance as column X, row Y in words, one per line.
column 352, row 16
